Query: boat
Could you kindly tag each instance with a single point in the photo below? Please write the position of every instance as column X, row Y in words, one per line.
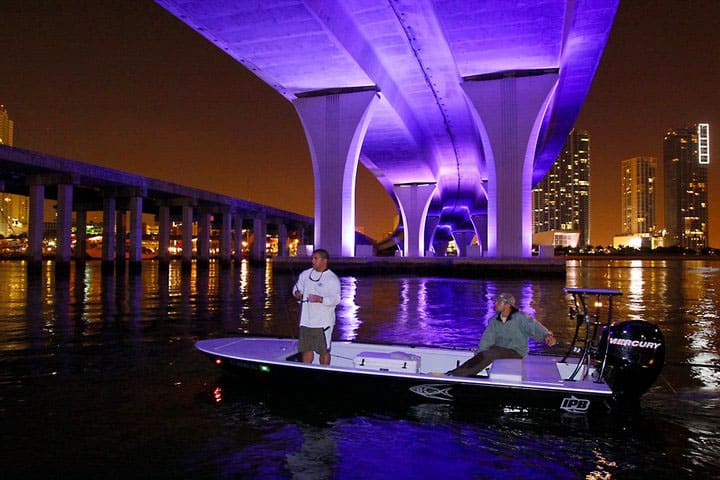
column 607, row 366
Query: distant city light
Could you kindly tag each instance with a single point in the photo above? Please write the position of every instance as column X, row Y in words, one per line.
column 704, row 143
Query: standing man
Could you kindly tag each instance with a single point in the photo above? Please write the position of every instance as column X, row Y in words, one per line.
column 318, row 290
column 506, row 336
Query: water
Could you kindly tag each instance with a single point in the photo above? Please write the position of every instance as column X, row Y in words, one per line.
column 99, row 379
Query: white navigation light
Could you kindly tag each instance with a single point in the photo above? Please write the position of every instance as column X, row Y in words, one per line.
column 704, row 143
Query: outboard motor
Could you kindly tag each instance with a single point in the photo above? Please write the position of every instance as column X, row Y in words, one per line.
column 633, row 353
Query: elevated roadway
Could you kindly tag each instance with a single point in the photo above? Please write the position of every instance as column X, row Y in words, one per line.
column 457, row 106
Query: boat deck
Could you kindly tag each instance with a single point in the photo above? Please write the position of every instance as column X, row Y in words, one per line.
column 533, row 372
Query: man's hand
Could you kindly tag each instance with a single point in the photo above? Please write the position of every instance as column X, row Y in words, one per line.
column 298, row 294
column 312, row 298
column 550, row 339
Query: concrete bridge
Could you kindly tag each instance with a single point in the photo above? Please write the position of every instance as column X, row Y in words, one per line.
column 80, row 188
column 457, row 106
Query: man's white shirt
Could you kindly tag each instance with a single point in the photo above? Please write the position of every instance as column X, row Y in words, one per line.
column 325, row 284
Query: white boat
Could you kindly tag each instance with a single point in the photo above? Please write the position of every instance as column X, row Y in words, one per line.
column 607, row 365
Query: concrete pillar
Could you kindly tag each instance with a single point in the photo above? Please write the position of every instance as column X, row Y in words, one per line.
column 463, row 238
column 135, row 231
column 441, row 247
column 335, row 127
column 431, row 222
column 282, row 240
column 109, row 225
column 80, row 235
column 225, row 238
column 511, row 110
column 414, row 201
column 164, row 234
column 120, row 230
column 480, row 223
column 237, row 240
column 203, row 239
column 64, row 225
column 258, row 251
column 187, row 227
column 36, row 227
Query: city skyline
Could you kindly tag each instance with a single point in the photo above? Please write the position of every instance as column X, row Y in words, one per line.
column 127, row 86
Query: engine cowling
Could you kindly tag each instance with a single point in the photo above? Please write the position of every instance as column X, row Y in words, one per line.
column 634, row 355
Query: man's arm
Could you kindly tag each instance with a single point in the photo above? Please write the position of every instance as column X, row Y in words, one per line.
column 487, row 339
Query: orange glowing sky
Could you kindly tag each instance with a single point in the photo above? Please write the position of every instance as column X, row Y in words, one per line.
column 126, row 85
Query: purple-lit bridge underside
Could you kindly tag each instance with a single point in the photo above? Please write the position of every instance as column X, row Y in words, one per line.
column 457, row 107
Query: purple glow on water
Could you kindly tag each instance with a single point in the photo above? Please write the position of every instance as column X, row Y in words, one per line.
column 85, row 354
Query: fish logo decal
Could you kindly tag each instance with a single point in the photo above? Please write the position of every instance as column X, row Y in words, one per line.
column 436, row 391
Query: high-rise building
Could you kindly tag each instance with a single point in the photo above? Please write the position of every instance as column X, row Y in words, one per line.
column 639, row 178
column 6, row 127
column 561, row 200
column 14, row 209
column 686, row 158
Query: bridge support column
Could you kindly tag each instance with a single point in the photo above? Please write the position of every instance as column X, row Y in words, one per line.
column 414, row 200
column 258, row 251
column 441, row 247
column 164, row 234
column 36, row 227
column 462, row 240
column 80, row 235
column 431, row 223
column 108, row 246
column 120, row 246
column 335, row 127
column 480, row 222
column 135, row 251
column 64, row 228
column 187, row 230
column 282, row 239
column 225, row 238
column 511, row 110
column 238, row 239
column 203, row 240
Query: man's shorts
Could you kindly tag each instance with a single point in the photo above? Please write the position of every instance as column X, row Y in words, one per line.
column 314, row 339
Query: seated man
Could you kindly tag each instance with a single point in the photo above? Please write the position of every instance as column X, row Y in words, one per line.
column 506, row 336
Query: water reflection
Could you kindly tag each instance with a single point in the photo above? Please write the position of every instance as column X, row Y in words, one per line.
column 90, row 347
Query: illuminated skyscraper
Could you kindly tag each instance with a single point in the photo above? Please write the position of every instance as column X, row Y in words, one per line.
column 14, row 209
column 6, row 127
column 638, row 195
column 686, row 157
column 561, row 200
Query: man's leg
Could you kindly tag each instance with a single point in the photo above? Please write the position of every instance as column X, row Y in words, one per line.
column 476, row 364
column 325, row 353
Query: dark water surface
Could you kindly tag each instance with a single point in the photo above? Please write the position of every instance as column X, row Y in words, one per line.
column 99, row 379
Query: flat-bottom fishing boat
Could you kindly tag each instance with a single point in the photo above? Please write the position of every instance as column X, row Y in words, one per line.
column 607, row 365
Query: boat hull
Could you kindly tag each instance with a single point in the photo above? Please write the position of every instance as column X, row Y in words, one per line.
column 273, row 365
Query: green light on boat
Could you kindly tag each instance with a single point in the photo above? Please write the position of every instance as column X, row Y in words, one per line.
column 264, row 368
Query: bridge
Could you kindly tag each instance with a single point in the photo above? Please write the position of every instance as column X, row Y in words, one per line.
column 79, row 188
column 458, row 107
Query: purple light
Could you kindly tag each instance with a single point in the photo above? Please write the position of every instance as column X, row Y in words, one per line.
column 420, row 55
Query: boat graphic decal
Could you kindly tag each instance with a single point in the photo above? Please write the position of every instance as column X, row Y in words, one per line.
column 437, row 391
column 573, row 404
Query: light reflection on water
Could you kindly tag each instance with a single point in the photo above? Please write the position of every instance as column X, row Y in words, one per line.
column 103, row 367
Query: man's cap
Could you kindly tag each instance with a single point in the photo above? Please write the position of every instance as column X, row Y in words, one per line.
column 505, row 297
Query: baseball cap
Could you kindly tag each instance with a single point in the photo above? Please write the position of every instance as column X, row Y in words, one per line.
column 505, row 297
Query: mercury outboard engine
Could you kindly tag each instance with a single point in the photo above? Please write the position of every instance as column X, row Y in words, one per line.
column 632, row 355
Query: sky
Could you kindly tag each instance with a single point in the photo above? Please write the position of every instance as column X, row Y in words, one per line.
column 125, row 85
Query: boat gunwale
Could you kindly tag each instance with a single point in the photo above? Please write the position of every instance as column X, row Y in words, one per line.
column 470, row 381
